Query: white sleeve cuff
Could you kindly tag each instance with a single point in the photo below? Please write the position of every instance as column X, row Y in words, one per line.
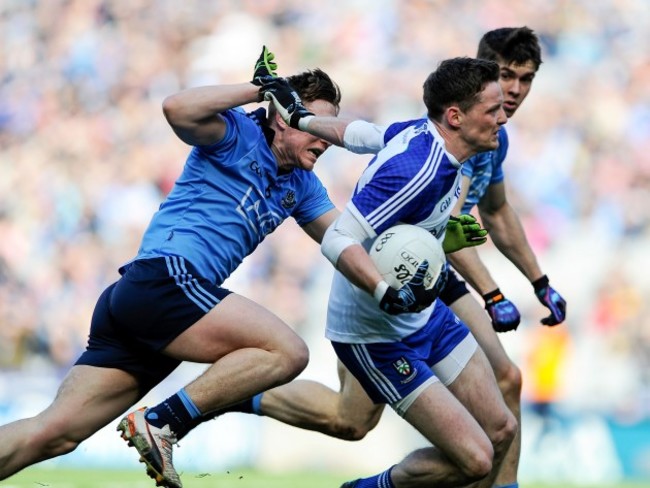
column 362, row 137
column 380, row 290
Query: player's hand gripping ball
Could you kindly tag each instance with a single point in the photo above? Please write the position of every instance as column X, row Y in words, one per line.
column 412, row 262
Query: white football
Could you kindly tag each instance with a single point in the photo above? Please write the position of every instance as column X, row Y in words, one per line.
column 398, row 251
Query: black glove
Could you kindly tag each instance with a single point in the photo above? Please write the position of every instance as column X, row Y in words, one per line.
column 551, row 300
column 264, row 71
column 504, row 314
column 287, row 102
column 412, row 297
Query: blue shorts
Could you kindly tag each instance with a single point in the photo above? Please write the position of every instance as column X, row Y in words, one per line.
column 454, row 288
column 153, row 302
column 390, row 371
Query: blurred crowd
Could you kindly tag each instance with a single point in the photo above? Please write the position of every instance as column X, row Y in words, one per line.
column 86, row 157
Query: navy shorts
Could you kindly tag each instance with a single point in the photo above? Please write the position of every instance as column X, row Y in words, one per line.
column 153, row 302
column 454, row 288
column 390, row 371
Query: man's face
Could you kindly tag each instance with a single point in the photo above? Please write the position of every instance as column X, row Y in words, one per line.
column 481, row 123
column 301, row 149
column 515, row 81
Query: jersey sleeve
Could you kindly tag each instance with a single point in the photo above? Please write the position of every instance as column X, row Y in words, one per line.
column 314, row 200
column 243, row 134
column 393, row 129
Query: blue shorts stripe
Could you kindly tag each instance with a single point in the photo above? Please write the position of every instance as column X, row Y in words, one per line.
column 190, row 286
column 376, row 376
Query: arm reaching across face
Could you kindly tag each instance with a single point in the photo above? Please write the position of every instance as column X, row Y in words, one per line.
column 357, row 136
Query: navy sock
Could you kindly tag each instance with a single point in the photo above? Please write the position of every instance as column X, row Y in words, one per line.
column 178, row 411
column 381, row 480
column 250, row 405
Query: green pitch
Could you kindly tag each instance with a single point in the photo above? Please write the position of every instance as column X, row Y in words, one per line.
column 64, row 478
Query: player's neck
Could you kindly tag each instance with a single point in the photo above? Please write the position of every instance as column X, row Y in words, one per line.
column 454, row 145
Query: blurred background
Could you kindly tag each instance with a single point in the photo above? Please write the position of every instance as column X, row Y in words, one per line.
column 86, row 157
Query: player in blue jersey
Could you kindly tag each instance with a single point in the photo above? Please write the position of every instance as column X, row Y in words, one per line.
column 427, row 366
column 246, row 173
column 518, row 53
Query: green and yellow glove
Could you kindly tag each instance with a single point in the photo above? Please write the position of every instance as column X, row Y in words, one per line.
column 463, row 231
column 265, row 70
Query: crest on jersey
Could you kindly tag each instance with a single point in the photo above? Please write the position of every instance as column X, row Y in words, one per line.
column 289, row 199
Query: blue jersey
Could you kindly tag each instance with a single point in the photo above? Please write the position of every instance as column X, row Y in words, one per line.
column 484, row 169
column 412, row 180
column 228, row 198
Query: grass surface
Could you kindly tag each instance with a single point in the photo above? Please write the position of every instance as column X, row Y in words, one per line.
column 64, row 478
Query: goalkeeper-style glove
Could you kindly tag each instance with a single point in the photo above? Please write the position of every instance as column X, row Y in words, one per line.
column 504, row 314
column 463, row 231
column 552, row 300
column 287, row 102
column 412, row 297
column 264, row 71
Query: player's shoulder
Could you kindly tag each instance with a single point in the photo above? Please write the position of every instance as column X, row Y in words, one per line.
column 396, row 128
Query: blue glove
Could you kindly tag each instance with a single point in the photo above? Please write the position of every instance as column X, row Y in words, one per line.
column 412, row 297
column 552, row 300
column 505, row 316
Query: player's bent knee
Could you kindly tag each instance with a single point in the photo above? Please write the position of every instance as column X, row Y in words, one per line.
column 350, row 431
column 503, row 435
column 510, row 383
column 478, row 464
column 295, row 361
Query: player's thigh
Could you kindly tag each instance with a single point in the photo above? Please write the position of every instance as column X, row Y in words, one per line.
column 88, row 399
column 440, row 417
column 355, row 405
column 477, row 389
column 235, row 323
column 475, row 318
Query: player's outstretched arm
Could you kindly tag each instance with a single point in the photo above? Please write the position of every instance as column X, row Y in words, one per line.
column 357, row 136
column 509, row 237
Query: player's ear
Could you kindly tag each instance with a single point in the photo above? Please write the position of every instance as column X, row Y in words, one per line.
column 279, row 121
column 454, row 116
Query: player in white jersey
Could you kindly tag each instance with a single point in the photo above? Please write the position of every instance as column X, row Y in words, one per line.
column 349, row 413
column 426, row 365
column 245, row 175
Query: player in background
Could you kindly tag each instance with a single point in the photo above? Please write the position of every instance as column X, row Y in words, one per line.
column 349, row 413
column 246, row 174
column 427, row 366
column 518, row 53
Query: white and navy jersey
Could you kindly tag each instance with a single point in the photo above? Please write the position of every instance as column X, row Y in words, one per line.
column 228, row 198
column 484, row 169
column 413, row 180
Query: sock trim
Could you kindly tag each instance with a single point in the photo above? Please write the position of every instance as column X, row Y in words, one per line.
column 189, row 405
column 257, row 404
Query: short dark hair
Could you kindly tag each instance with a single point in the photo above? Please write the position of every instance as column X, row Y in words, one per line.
column 457, row 81
column 315, row 85
column 516, row 45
